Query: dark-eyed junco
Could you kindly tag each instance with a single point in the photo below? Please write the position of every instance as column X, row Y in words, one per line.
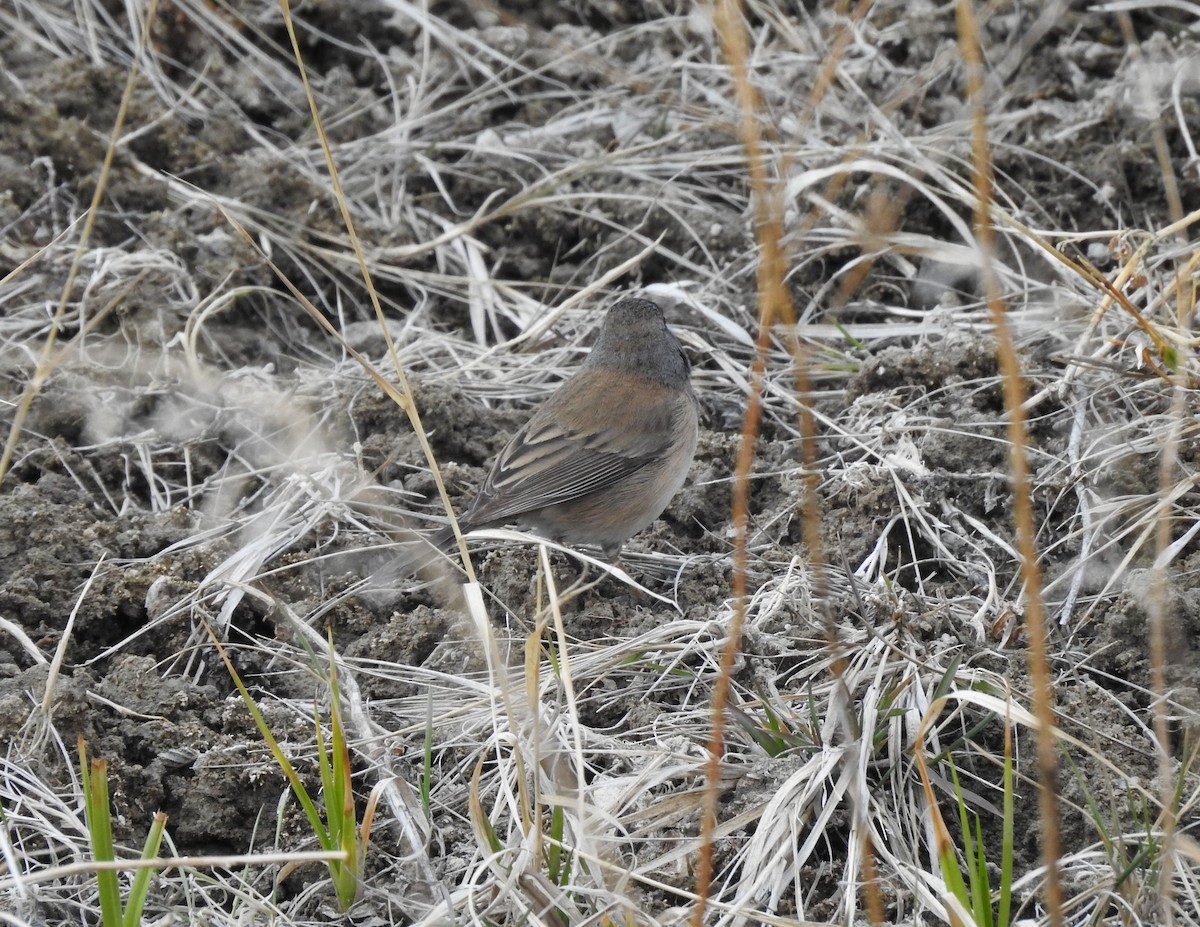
column 602, row 457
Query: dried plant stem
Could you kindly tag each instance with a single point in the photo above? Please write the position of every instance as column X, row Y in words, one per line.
column 1158, row 135
column 1158, row 609
column 1035, row 618
column 404, row 397
column 1168, row 478
column 45, row 358
column 774, row 304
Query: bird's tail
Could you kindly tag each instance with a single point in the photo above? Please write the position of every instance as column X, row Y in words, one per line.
column 422, row 552
column 442, row 539
column 418, row 557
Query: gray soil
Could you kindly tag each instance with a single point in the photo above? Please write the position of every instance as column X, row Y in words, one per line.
column 87, row 530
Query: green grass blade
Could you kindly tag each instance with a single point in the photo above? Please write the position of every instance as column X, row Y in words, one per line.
column 951, row 872
column 298, row 789
column 1006, row 850
column 339, row 797
column 554, row 854
column 981, row 896
column 141, row 879
column 98, row 817
column 427, row 760
column 325, row 767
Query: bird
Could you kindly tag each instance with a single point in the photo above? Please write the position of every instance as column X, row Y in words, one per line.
column 603, row 455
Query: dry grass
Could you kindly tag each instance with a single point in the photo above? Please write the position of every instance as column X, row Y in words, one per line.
column 831, row 204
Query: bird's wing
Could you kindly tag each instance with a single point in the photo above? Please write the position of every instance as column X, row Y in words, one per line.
column 556, row 457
